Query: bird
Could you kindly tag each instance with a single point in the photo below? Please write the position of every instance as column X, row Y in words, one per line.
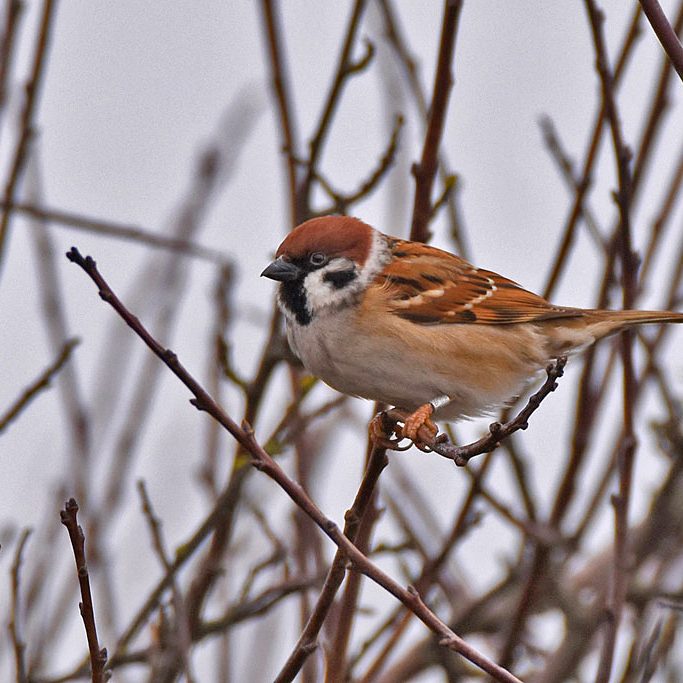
column 419, row 328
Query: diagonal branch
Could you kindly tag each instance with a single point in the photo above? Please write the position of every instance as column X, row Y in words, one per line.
column 26, row 133
column 262, row 461
column 40, row 384
column 345, row 69
column 335, row 575
column 667, row 36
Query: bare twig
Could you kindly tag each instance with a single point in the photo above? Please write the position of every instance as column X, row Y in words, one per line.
column 667, row 36
column 13, row 10
column 584, row 181
column 132, row 233
column 335, row 575
column 425, row 171
column 16, row 611
column 345, row 69
column 181, row 623
column 98, row 658
column 398, row 42
column 626, row 457
column 39, row 384
column 342, row 201
column 26, row 133
column 282, row 92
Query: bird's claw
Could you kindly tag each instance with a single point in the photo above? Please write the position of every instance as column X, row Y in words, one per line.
column 417, row 426
column 380, row 434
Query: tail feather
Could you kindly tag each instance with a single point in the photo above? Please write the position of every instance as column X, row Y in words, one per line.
column 603, row 323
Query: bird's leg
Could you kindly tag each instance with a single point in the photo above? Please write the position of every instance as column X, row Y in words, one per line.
column 422, row 418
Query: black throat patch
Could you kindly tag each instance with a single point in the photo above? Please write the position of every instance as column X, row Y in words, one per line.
column 293, row 298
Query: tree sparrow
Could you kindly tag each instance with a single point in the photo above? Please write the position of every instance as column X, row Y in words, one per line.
column 419, row 328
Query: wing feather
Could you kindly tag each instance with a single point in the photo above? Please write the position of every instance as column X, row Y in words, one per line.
column 429, row 286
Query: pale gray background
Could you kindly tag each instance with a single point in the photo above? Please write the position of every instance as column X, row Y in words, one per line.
column 133, row 90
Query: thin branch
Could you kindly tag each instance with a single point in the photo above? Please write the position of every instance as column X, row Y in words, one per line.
column 345, row 69
column 584, row 181
column 335, row 575
column 26, row 133
column 667, row 36
column 39, row 384
column 282, row 92
column 181, row 624
column 98, row 658
column 619, row 583
column 425, row 171
column 557, row 152
column 342, row 201
column 13, row 9
column 399, row 45
column 18, row 644
column 127, row 232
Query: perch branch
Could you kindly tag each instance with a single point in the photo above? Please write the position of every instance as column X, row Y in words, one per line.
column 461, row 455
column 262, row 461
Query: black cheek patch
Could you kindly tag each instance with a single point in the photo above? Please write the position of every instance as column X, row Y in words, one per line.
column 340, row 278
column 293, row 298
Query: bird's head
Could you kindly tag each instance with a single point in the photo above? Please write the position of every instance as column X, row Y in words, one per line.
column 325, row 264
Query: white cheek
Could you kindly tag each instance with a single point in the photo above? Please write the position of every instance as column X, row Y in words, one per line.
column 321, row 294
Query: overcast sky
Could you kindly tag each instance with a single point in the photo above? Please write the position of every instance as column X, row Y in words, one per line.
column 133, row 91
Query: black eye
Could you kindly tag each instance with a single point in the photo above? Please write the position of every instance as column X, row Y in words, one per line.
column 317, row 259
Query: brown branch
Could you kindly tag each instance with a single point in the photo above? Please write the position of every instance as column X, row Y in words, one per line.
column 13, row 9
column 425, row 171
column 337, row 663
column 183, row 637
column 664, row 215
column 667, row 36
column 625, row 462
column 256, row 606
column 335, row 575
column 345, row 69
column 98, row 658
column 262, row 461
column 33, row 86
column 584, row 181
column 557, row 152
column 343, row 201
column 660, row 103
column 39, row 384
column 131, row 233
column 282, row 92
column 464, row 521
column 461, row 455
column 398, row 43
column 18, row 644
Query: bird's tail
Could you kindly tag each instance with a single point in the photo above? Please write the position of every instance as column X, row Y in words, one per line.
column 608, row 322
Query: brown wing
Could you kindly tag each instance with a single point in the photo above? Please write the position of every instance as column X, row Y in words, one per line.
column 429, row 286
